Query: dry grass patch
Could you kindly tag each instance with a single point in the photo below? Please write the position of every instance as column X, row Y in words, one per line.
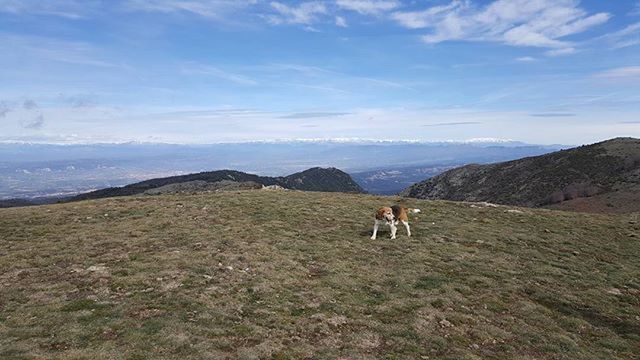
column 256, row 274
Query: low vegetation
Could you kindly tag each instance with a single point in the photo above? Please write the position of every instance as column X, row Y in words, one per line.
column 602, row 177
column 287, row 274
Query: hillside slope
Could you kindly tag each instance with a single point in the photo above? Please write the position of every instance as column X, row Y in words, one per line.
column 314, row 179
column 261, row 274
column 608, row 171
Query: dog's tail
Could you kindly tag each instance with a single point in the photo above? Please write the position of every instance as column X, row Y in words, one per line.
column 414, row 211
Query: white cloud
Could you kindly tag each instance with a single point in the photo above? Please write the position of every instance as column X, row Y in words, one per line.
column 305, row 13
column 526, row 59
column 425, row 19
column 561, row 51
column 541, row 23
column 621, row 73
column 341, row 22
column 629, row 36
column 370, row 7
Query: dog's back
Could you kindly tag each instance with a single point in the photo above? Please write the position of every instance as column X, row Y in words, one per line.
column 402, row 213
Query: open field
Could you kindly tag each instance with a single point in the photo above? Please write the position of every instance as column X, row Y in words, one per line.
column 287, row 274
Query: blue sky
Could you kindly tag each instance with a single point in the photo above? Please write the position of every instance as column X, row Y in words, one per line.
column 205, row 71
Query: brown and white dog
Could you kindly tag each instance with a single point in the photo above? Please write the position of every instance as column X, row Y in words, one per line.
column 391, row 216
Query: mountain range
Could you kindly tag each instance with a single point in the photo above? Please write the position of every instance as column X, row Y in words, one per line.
column 314, row 179
column 602, row 177
column 31, row 171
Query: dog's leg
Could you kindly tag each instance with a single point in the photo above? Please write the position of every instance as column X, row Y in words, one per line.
column 375, row 230
column 406, row 225
column 393, row 231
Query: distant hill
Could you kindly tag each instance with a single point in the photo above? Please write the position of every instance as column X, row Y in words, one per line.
column 392, row 180
column 314, row 179
column 320, row 179
column 603, row 177
column 14, row 203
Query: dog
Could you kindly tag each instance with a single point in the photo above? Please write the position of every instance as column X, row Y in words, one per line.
column 390, row 216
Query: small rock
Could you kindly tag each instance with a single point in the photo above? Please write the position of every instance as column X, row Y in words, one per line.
column 229, row 267
column 337, row 320
column 445, row 323
column 208, row 277
column 97, row 268
column 515, row 211
column 614, row 291
column 487, row 204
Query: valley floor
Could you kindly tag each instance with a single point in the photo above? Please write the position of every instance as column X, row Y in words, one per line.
column 287, row 274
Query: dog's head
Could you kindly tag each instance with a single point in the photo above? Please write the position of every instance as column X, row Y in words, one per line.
column 385, row 213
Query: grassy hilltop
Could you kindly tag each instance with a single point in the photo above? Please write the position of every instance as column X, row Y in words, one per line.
column 274, row 274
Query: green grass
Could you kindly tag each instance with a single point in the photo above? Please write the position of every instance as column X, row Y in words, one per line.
column 288, row 275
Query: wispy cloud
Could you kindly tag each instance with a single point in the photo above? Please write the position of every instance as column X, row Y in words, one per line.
column 629, row 36
column 70, row 9
column 78, row 101
column 341, row 22
column 542, row 23
column 561, row 51
column 35, row 122
column 551, row 115
column 29, row 105
column 206, row 8
column 309, row 115
column 71, row 52
column 526, row 59
column 30, row 115
column 315, row 71
column 368, row 7
column 636, row 9
column 4, row 109
column 631, row 73
column 305, row 13
column 460, row 123
column 199, row 69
